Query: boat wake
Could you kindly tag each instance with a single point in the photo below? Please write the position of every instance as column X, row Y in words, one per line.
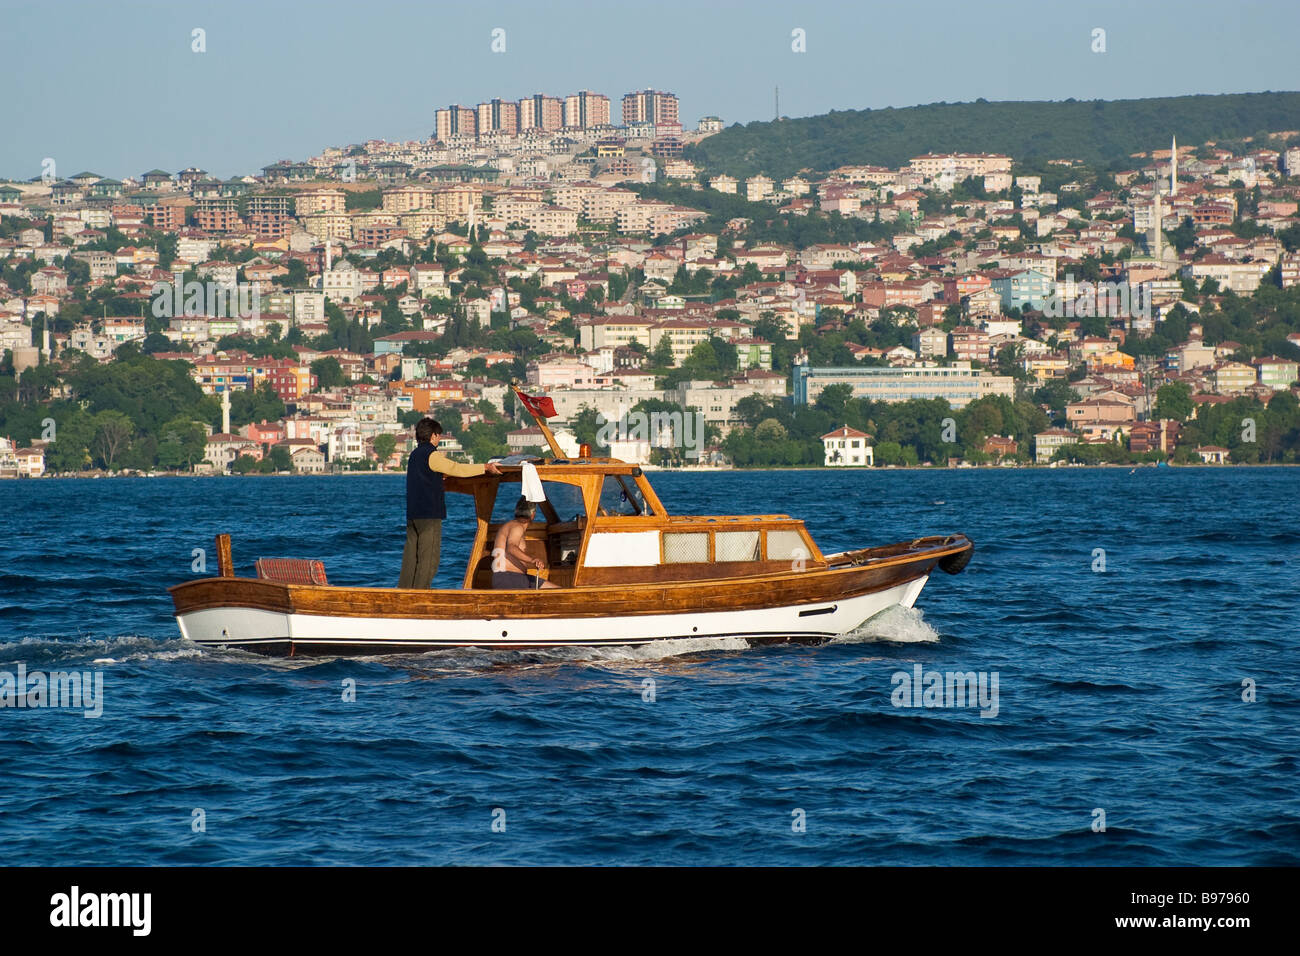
column 899, row 625
column 460, row 659
column 648, row 652
column 49, row 652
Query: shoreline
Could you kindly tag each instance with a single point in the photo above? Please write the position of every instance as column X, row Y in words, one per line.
column 700, row 471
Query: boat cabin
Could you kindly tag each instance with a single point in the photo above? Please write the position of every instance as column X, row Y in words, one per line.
column 602, row 523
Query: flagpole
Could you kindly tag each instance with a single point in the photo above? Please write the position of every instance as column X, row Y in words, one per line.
column 541, row 423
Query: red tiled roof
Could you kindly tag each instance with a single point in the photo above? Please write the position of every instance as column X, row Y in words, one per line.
column 844, row 431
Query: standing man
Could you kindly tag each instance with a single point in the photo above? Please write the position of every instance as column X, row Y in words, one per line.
column 426, row 503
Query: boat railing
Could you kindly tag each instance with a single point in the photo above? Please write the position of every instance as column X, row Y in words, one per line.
column 864, row 556
column 727, row 519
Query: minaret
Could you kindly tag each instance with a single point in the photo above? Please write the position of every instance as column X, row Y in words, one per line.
column 1173, row 168
column 1156, row 250
column 225, row 411
column 327, row 254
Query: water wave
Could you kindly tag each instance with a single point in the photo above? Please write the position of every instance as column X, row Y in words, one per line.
column 898, row 625
column 51, row 651
column 1119, row 691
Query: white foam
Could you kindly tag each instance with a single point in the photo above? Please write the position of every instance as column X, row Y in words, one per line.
column 171, row 654
column 897, row 624
column 658, row 650
column 462, row 660
column 52, row 651
column 623, row 653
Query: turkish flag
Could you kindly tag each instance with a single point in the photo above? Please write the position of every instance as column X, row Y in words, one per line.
column 538, row 406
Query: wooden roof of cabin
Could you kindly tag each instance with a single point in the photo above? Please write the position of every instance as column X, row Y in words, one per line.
column 552, row 470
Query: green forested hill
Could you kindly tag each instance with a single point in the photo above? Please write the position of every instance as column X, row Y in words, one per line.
column 1098, row 132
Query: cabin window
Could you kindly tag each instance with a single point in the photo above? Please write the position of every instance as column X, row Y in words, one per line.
column 686, row 547
column 785, row 546
column 564, row 498
column 735, row 546
column 619, row 495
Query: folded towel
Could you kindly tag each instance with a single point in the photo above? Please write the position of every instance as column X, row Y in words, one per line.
column 532, row 484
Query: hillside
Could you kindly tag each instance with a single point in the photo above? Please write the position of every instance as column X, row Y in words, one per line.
column 1097, row 132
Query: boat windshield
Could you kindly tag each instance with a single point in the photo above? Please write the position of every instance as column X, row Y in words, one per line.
column 564, row 498
column 619, row 495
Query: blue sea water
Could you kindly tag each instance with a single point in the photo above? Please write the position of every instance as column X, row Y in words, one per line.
column 1120, row 690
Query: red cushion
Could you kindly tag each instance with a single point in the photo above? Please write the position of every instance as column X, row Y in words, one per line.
column 291, row 570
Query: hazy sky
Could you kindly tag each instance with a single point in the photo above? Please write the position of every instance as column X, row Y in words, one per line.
column 113, row 86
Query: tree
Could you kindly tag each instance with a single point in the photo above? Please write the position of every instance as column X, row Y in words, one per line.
column 280, row 458
column 586, row 426
column 296, row 277
column 156, row 342
column 1184, row 237
column 261, row 405
column 142, row 454
column 243, row 465
column 113, row 431
column 888, row 453
column 1095, row 326
column 484, row 440
column 328, row 372
column 1056, row 394
column 834, row 399
column 661, row 356
column 183, row 443
column 36, row 382
column 448, row 418
column 752, row 409
column 74, row 432
column 980, row 419
column 385, row 445
column 617, row 285
column 701, row 364
column 1010, row 361
column 149, row 392
column 725, row 353
column 1174, row 400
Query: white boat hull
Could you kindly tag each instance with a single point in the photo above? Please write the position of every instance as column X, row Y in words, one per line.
column 256, row 629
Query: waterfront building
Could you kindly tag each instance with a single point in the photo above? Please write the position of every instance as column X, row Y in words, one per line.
column 848, row 447
column 1047, row 442
column 959, row 385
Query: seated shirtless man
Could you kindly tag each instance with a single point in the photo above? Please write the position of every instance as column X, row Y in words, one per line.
column 508, row 555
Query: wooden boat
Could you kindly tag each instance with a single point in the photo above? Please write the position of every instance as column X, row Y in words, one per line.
column 628, row 571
